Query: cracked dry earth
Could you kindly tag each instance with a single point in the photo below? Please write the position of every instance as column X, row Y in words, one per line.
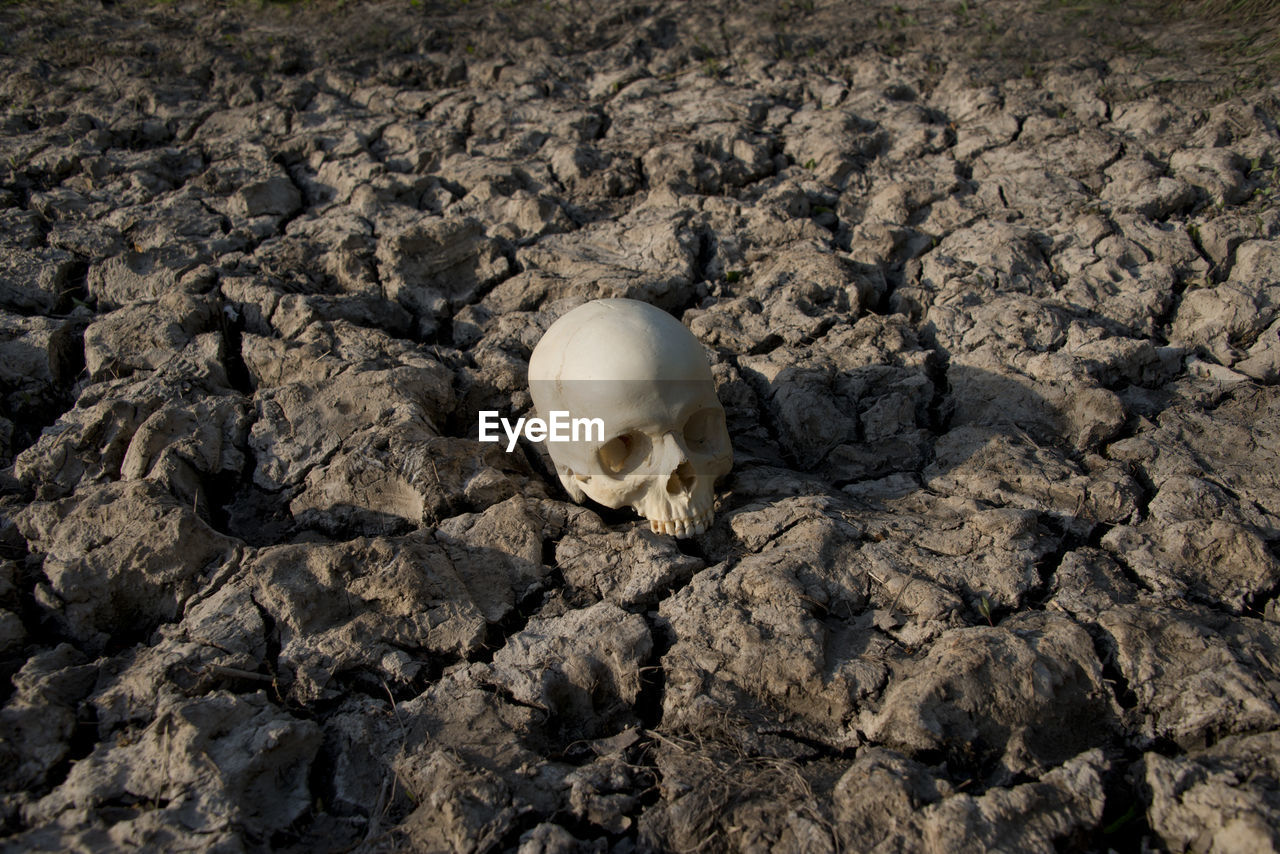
column 997, row 334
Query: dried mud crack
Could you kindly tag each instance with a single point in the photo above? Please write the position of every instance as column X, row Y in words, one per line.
column 992, row 294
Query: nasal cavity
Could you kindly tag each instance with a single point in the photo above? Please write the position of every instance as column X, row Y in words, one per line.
column 681, row 479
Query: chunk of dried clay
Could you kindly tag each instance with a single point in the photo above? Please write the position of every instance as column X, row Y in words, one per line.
column 647, row 379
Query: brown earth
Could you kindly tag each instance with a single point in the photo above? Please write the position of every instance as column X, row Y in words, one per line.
column 992, row 293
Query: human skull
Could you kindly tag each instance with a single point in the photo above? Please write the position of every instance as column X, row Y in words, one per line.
column 641, row 372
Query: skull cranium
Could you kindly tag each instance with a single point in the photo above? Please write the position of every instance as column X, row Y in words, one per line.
column 641, row 372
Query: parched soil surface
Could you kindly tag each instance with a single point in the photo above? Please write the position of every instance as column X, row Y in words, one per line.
column 992, row 296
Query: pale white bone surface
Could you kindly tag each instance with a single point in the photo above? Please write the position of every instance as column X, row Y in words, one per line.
column 647, row 377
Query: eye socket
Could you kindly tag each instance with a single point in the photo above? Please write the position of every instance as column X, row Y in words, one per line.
column 622, row 454
column 704, row 430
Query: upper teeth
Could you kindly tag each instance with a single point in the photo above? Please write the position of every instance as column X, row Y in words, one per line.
column 683, row 527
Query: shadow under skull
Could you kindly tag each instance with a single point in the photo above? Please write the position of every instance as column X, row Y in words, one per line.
column 647, row 379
